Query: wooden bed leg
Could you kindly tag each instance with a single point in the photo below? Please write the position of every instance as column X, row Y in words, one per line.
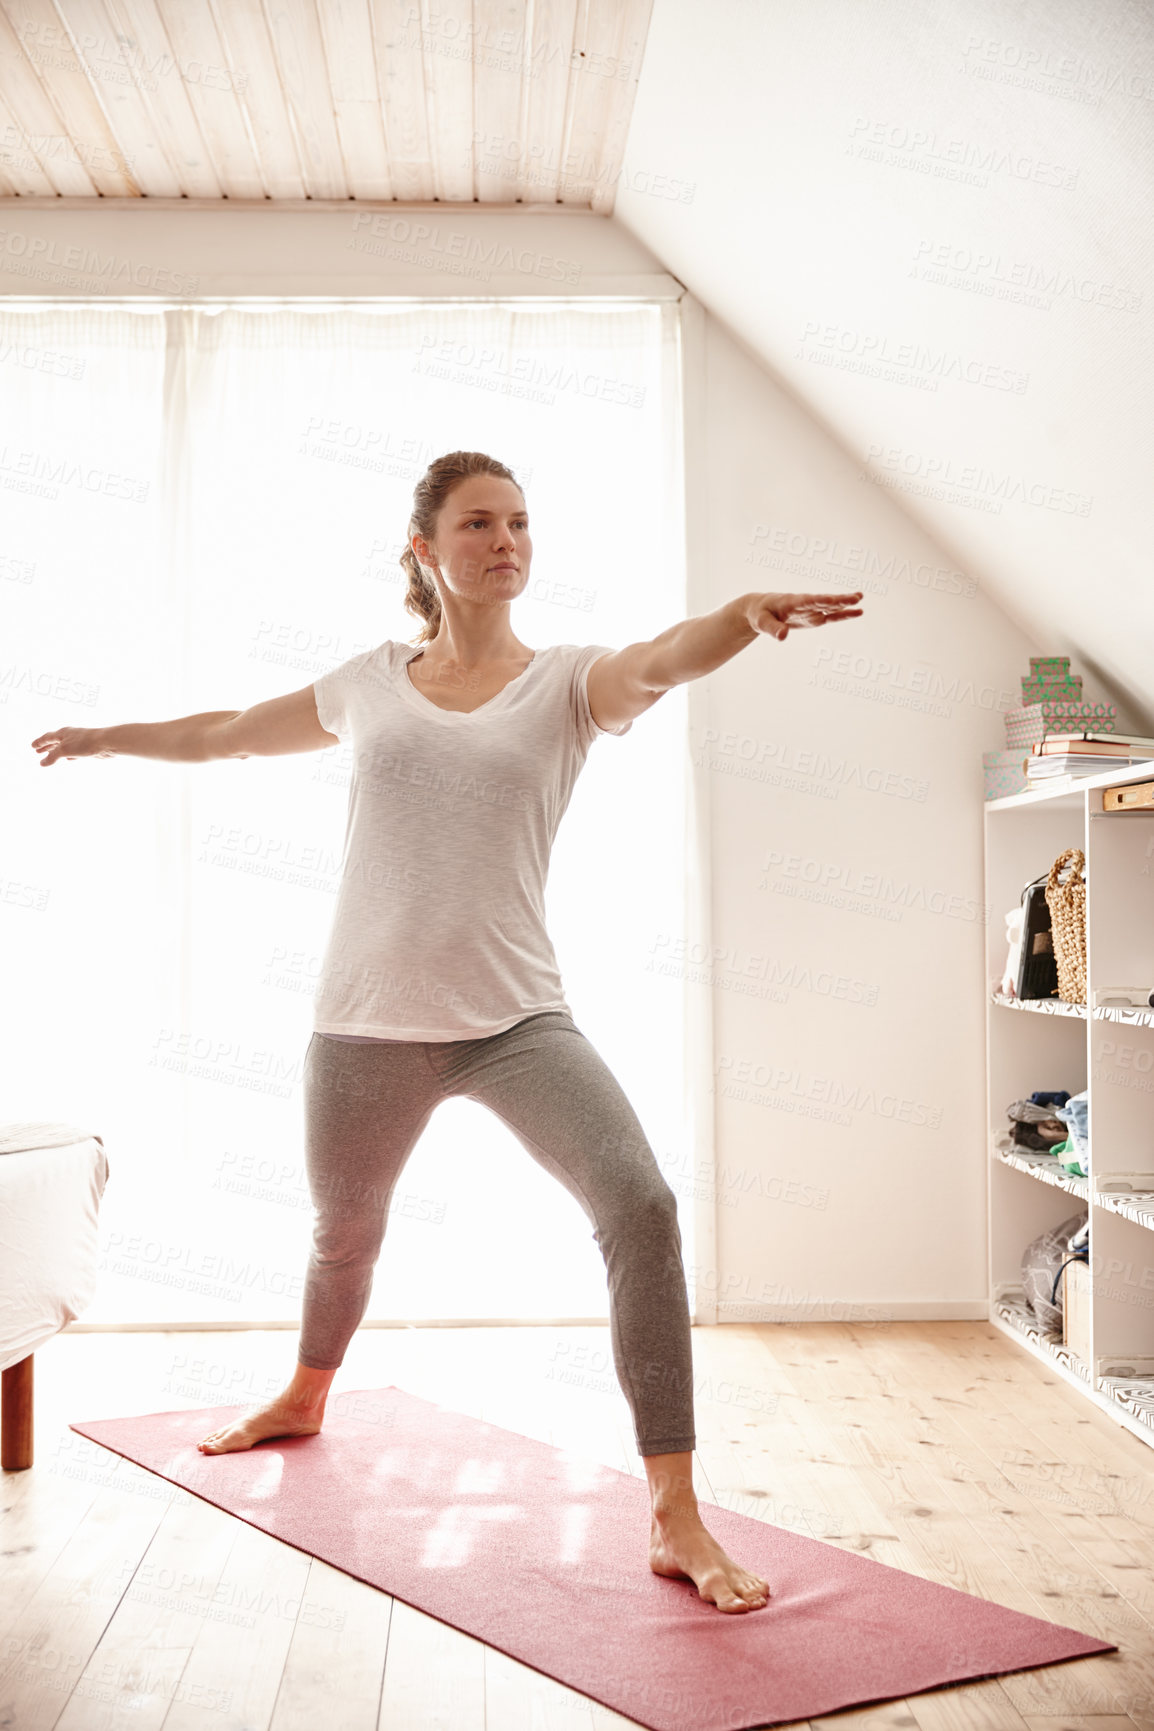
column 16, row 1416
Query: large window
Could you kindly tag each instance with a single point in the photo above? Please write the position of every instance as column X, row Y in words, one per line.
column 204, row 507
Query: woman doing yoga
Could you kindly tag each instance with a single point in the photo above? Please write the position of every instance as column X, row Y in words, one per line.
column 439, row 978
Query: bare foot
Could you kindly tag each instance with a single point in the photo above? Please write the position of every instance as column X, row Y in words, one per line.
column 681, row 1545
column 280, row 1417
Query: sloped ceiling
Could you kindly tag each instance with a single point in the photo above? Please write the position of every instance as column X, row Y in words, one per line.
column 935, row 224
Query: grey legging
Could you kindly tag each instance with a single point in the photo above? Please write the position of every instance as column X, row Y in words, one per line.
column 367, row 1104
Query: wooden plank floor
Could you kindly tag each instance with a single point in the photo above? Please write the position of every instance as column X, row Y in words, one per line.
column 939, row 1448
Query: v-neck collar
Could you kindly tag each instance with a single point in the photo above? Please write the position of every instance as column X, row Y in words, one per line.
column 418, row 700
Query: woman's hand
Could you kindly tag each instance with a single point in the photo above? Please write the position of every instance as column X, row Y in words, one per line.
column 70, row 742
column 778, row 615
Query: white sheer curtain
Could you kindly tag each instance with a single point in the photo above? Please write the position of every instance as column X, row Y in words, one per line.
column 203, row 508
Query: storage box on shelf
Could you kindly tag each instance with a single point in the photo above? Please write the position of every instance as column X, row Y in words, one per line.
column 1108, row 1350
column 1052, row 702
column 1005, row 771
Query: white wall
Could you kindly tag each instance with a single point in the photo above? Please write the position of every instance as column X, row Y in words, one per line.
column 169, row 248
column 936, row 223
column 845, row 781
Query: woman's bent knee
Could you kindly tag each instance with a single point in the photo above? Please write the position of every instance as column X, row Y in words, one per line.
column 648, row 1214
column 343, row 1241
column 659, row 1200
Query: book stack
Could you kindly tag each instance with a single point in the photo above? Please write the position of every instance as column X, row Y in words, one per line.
column 1052, row 716
column 1084, row 753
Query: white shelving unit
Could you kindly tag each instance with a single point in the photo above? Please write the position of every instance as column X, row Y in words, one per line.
column 1053, row 1045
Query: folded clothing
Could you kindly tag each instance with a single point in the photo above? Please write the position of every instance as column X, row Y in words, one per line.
column 1034, row 1126
column 1076, row 1115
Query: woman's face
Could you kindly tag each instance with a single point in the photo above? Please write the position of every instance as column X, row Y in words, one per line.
column 481, row 547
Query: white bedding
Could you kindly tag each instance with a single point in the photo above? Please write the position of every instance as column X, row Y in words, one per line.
column 52, row 1177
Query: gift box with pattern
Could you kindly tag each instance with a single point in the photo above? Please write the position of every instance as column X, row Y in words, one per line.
column 1005, row 773
column 1050, row 677
column 1030, row 724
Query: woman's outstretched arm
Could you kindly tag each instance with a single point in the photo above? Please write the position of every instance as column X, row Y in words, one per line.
column 268, row 729
column 624, row 684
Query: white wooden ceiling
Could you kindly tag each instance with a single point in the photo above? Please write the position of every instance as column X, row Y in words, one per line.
column 499, row 101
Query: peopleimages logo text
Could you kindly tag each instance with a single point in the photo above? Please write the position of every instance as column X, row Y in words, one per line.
column 88, row 262
column 973, row 478
column 457, row 245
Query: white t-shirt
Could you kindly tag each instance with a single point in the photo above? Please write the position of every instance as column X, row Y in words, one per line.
column 439, row 927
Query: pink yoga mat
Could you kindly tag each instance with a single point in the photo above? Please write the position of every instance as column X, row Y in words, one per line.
column 541, row 1553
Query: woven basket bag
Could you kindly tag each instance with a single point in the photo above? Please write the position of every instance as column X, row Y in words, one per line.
column 1067, row 905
